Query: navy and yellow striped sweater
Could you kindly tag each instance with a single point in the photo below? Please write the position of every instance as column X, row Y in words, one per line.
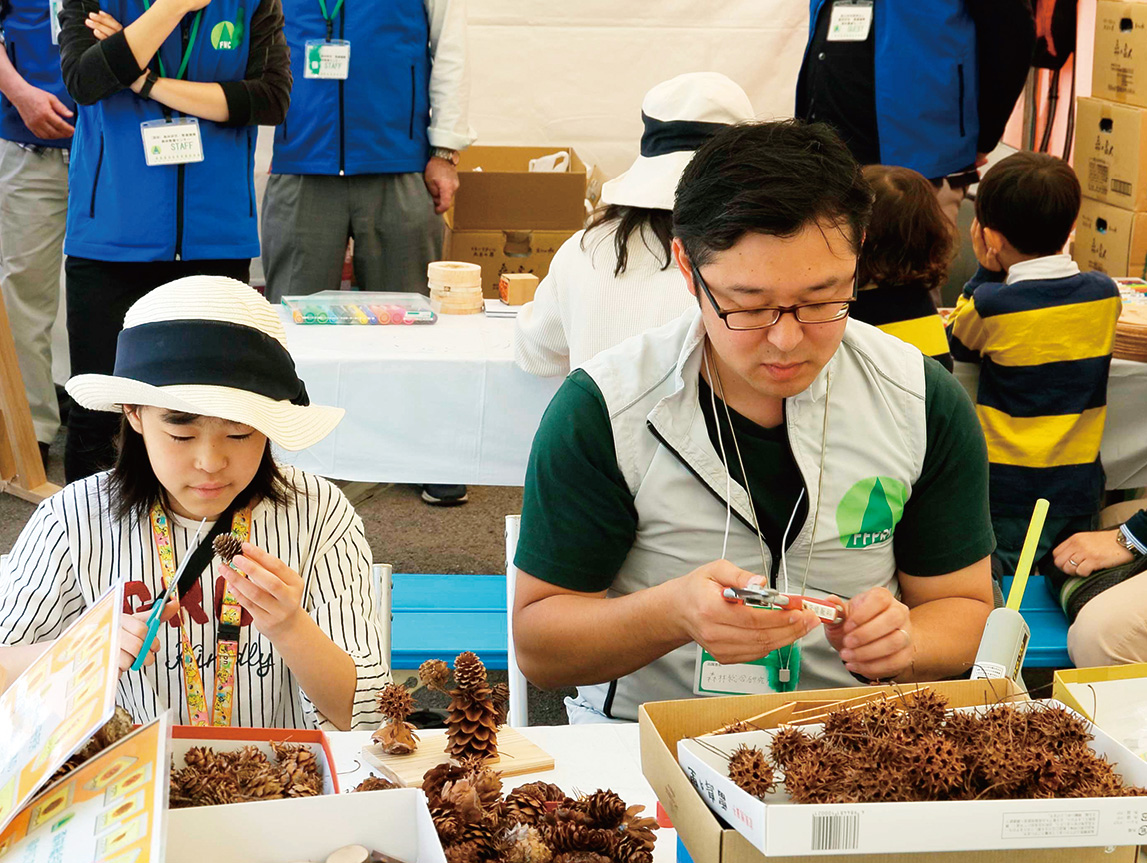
column 907, row 312
column 1044, row 348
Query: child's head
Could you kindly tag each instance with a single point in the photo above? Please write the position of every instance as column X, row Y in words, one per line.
column 909, row 240
column 1026, row 206
column 205, row 385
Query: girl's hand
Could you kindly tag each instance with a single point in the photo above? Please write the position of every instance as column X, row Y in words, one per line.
column 102, row 24
column 133, row 630
column 272, row 592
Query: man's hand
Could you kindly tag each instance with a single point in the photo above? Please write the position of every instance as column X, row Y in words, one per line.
column 441, row 178
column 43, row 114
column 984, row 255
column 1085, row 553
column 729, row 630
column 875, row 640
column 133, row 630
column 272, row 592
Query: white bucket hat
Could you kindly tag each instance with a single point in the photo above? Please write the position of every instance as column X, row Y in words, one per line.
column 679, row 115
column 212, row 346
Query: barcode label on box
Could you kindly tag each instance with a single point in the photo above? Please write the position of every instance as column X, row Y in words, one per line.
column 1032, row 825
column 1121, row 187
column 1097, row 177
column 837, row 831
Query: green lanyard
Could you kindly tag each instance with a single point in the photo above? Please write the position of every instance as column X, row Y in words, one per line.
column 190, row 43
column 330, row 19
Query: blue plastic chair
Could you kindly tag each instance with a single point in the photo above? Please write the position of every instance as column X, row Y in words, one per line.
column 439, row 616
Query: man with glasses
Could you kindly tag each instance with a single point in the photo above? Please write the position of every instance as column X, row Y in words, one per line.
column 763, row 439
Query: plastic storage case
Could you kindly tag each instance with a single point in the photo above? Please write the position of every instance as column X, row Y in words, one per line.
column 360, row 308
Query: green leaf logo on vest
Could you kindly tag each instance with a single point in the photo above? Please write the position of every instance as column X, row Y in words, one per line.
column 223, row 36
column 870, row 510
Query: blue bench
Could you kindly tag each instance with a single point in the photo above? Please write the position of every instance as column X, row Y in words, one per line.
column 1048, row 625
column 439, row 616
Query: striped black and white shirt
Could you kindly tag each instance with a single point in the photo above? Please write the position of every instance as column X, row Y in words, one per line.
column 72, row 551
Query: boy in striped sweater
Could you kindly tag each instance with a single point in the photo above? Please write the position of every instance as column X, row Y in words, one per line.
column 1042, row 332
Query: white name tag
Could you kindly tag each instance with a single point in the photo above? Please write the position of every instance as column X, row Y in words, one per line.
column 54, row 20
column 171, row 142
column 851, row 21
column 327, row 59
column 745, row 678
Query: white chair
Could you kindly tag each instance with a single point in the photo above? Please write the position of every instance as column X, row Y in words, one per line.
column 518, row 715
column 382, row 582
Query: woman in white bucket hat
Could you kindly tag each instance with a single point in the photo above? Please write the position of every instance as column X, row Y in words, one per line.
column 616, row 279
column 284, row 636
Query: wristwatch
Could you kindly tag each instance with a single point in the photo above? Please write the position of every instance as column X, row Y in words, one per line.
column 449, row 155
column 1124, row 540
column 148, row 83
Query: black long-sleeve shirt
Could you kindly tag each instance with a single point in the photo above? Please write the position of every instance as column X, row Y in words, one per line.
column 1005, row 43
column 94, row 69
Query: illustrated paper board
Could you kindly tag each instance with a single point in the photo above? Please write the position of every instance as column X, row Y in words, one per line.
column 396, row 822
column 779, row 827
column 497, row 191
column 1119, row 65
column 708, row 840
column 59, row 701
column 1111, row 240
column 499, row 252
column 1111, row 152
column 184, row 737
column 110, row 810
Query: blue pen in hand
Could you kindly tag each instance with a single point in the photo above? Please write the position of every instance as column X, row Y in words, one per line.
column 153, row 619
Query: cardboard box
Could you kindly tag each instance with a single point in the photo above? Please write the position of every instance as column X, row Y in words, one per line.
column 1114, row 697
column 498, row 251
column 1110, row 239
column 517, row 289
column 665, row 723
column 1111, row 152
column 506, row 195
column 395, row 822
column 1064, row 676
column 1119, row 68
column 184, row 737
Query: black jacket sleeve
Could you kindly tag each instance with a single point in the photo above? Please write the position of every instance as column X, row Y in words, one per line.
column 263, row 96
column 92, row 69
column 1005, row 42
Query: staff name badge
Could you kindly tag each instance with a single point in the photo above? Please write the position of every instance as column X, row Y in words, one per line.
column 171, row 142
column 851, row 21
column 710, row 677
column 330, row 60
column 54, row 20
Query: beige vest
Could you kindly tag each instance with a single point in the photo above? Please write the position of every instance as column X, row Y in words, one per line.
column 876, row 438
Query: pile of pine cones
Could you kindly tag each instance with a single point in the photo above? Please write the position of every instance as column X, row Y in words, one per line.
column 115, row 729
column 534, row 823
column 895, row 751
column 211, row 778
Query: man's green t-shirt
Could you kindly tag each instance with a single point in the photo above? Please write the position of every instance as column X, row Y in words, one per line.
column 579, row 519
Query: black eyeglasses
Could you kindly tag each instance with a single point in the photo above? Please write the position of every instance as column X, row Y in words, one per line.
column 766, row 316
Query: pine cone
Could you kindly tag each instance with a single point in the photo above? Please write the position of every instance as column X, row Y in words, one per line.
column 527, row 846
column 375, row 783
column 488, row 784
column 437, row 776
column 446, row 823
column 395, row 702
column 469, row 672
column 637, row 830
column 524, row 808
column 564, row 836
column 259, row 782
column 396, row 738
column 227, row 545
column 201, row 757
column 544, row 791
column 501, row 699
column 629, row 851
column 472, row 725
column 581, row 857
column 434, row 674
column 750, row 770
column 605, row 809
column 466, row 852
column 463, row 796
column 483, row 837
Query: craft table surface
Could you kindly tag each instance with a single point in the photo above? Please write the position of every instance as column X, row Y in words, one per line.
column 438, row 403
column 587, row 757
column 1124, row 447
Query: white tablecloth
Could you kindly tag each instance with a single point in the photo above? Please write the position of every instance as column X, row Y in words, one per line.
column 1124, row 447
column 586, row 758
column 442, row 403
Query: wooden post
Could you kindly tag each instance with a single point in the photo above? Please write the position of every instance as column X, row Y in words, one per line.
column 21, row 469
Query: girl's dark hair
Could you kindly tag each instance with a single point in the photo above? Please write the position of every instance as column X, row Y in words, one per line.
column 909, row 239
column 134, row 487
column 1032, row 199
column 768, row 178
column 625, row 221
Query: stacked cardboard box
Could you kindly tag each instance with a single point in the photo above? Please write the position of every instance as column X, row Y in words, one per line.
column 1111, row 145
column 511, row 220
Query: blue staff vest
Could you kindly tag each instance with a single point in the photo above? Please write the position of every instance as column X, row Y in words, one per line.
column 28, row 41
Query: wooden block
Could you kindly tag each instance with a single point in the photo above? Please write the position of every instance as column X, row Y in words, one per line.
column 516, row 755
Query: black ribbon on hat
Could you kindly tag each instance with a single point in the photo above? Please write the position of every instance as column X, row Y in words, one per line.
column 674, row 136
column 213, row 353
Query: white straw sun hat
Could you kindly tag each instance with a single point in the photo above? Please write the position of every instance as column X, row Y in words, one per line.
column 212, row 346
column 679, row 115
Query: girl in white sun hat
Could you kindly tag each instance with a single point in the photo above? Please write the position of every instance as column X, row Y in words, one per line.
column 616, row 278
column 205, row 385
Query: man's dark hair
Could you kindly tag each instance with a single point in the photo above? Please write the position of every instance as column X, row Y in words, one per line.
column 1032, row 199
column 626, row 221
column 768, row 178
column 135, row 488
